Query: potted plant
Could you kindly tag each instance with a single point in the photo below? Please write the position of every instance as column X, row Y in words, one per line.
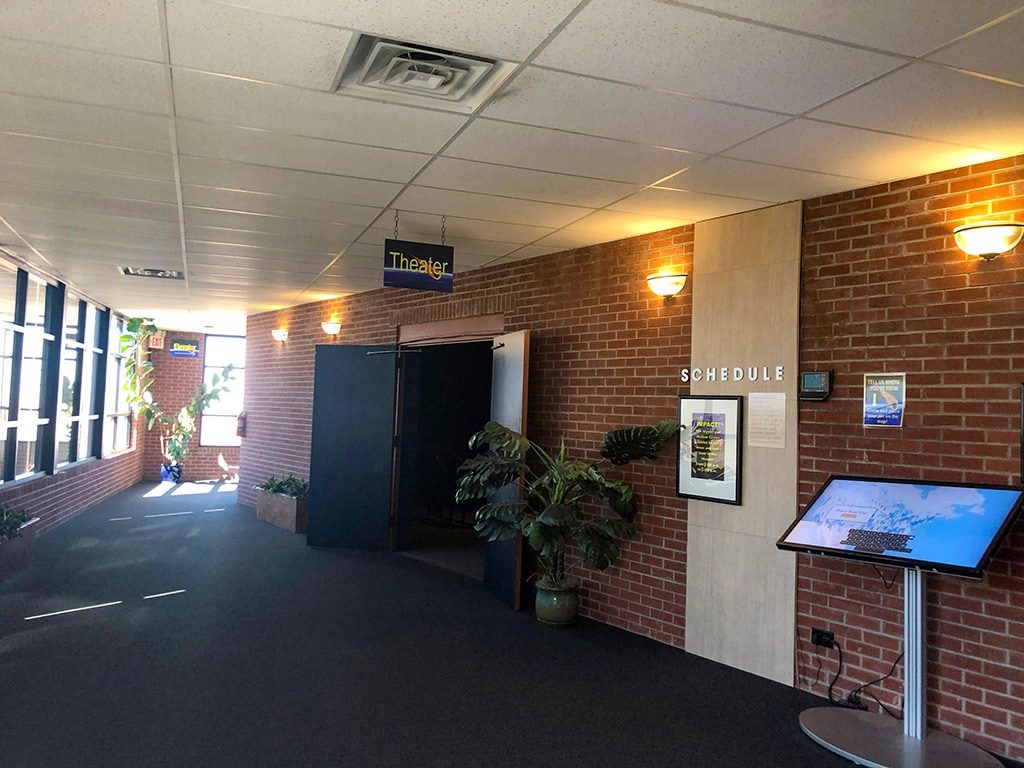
column 284, row 502
column 178, row 429
column 16, row 534
column 554, row 512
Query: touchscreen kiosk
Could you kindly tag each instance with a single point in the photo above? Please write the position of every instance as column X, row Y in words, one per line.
column 946, row 527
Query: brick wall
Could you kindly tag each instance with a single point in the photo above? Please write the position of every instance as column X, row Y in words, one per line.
column 885, row 289
column 604, row 353
column 174, row 383
column 57, row 498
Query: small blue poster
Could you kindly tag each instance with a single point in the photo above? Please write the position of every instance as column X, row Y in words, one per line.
column 421, row 266
column 885, row 396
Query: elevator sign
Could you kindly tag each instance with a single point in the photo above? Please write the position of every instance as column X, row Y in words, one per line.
column 421, row 266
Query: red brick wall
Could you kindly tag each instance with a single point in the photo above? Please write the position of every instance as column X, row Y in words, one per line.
column 604, row 353
column 885, row 289
column 59, row 497
column 174, row 383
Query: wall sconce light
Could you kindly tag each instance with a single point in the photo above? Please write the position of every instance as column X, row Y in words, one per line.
column 331, row 327
column 668, row 285
column 988, row 239
column 280, row 334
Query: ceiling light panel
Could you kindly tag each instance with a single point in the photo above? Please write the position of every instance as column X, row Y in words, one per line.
column 238, row 41
column 546, row 149
column 909, row 27
column 595, row 107
column 320, row 114
column 33, row 69
column 936, row 103
column 667, row 46
column 283, row 151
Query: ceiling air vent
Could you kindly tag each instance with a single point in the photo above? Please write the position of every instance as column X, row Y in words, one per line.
column 419, row 75
column 164, row 274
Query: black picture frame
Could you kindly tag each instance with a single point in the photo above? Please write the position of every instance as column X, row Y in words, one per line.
column 700, row 483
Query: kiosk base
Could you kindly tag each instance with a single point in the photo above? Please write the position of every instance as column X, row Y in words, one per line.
column 877, row 741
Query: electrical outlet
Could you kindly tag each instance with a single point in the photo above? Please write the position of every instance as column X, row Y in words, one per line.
column 823, row 637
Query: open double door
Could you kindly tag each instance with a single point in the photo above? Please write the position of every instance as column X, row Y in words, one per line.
column 353, row 467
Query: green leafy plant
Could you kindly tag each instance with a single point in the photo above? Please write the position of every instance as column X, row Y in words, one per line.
column 177, row 429
column 552, row 512
column 11, row 521
column 292, row 486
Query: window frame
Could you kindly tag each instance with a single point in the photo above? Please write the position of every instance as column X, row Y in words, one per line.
column 215, row 415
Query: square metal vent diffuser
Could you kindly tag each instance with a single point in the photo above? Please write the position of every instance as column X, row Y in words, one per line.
column 419, row 75
column 163, row 274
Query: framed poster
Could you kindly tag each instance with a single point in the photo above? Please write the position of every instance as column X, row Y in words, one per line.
column 710, row 448
column 885, row 397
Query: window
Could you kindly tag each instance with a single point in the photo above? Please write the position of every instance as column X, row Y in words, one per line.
column 220, row 419
column 81, row 376
column 25, row 343
column 117, row 433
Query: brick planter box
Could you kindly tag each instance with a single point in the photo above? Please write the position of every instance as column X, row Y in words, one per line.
column 283, row 511
column 16, row 554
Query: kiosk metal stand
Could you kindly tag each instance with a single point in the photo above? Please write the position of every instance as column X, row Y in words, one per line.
column 876, row 740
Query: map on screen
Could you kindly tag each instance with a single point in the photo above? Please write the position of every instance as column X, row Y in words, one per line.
column 940, row 525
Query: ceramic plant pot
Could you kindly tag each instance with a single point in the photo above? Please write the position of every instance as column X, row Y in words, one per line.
column 16, row 553
column 557, row 607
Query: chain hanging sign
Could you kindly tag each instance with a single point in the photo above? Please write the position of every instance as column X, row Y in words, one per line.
column 420, row 266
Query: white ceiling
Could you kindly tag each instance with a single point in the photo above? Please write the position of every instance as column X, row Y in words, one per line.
column 203, row 135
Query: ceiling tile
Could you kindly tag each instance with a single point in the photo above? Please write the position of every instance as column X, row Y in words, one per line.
column 265, row 239
column 61, row 153
column 62, row 119
column 661, row 45
column 255, row 178
column 42, row 197
column 909, row 27
column 736, row 178
column 988, row 51
column 244, row 145
column 687, row 206
column 494, row 28
column 546, row 149
column 122, row 27
column 470, row 176
column 933, row 102
column 300, row 228
column 814, row 146
column 203, row 251
column 599, row 108
column 33, row 69
column 310, row 113
column 528, row 252
column 416, row 225
column 36, row 223
column 277, row 205
column 79, row 180
column 237, row 41
column 607, row 226
column 488, row 207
